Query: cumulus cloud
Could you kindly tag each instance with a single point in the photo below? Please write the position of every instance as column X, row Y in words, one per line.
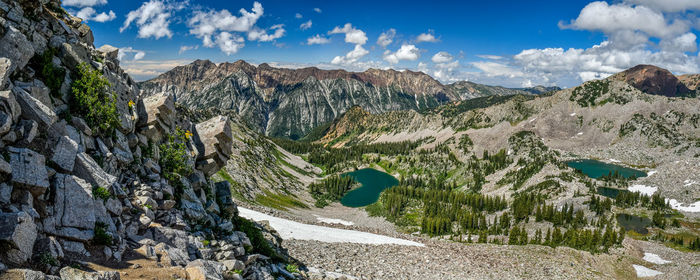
column 152, row 19
column 125, row 53
column 298, row 15
column 351, row 57
column 218, row 28
column 229, row 43
column 305, row 25
column 406, row 52
column 669, row 5
column 386, row 37
column 184, row 49
column 104, row 17
column 442, row 57
column 142, row 70
column 318, row 10
column 83, row 3
column 257, row 34
column 427, row 37
column 317, row 40
column 600, row 16
column 89, row 14
column 352, row 34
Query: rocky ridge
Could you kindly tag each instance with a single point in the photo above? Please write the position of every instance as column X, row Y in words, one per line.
column 75, row 192
column 291, row 102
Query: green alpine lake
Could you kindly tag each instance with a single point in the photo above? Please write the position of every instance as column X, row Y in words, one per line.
column 373, row 183
column 596, row 169
column 631, row 222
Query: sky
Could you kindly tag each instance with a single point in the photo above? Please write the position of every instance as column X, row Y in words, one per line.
column 507, row 43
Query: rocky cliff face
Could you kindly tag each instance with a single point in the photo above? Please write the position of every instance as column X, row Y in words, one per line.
column 291, row 102
column 653, row 80
column 81, row 186
column 468, row 90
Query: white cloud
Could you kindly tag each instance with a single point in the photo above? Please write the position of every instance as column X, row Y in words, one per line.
column 489, row 56
column 318, row 10
column 305, row 25
column 183, row 49
column 142, row 70
column 669, row 5
column 104, row 17
column 152, row 19
column 139, row 55
column 216, row 28
column 386, row 37
column 88, row 14
column 683, row 43
column 497, row 69
column 427, row 37
column 350, row 57
column 406, row 52
column 352, row 35
column 298, row 15
column 83, row 3
column 257, row 34
column 442, row 57
column 317, row 40
column 600, row 16
column 124, row 51
column 229, row 43
column 85, row 13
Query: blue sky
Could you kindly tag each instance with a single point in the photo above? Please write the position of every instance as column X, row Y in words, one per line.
column 510, row 43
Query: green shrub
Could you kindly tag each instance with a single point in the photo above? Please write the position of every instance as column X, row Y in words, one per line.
column 101, row 235
column 100, row 192
column 173, row 158
column 92, row 99
column 46, row 71
column 292, row 268
column 260, row 244
column 47, row 259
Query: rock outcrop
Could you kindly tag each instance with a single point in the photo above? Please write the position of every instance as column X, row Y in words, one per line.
column 653, row 80
column 75, row 191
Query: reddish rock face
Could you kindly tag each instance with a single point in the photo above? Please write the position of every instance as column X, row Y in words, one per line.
column 692, row 81
column 653, row 80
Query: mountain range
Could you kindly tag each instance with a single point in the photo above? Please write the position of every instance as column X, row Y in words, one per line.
column 289, row 103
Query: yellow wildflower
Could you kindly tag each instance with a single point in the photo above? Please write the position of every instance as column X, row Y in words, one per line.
column 188, row 134
column 131, row 103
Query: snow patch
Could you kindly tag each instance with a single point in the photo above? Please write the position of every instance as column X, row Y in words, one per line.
column 689, row 183
column 651, row 173
column 654, row 258
column 645, row 272
column 693, row 207
column 614, row 160
column 645, row 190
column 580, row 133
column 333, row 221
column 573, row 114
column 532, row 120
column 294, row 230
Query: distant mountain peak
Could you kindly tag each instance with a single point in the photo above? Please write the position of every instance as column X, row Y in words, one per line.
column 652, row 80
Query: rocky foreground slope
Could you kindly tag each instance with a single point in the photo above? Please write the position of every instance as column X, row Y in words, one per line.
column 291, row 102
column 93, row 176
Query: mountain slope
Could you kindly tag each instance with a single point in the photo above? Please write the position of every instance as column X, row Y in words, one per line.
column 599, row 119
column 291, row 102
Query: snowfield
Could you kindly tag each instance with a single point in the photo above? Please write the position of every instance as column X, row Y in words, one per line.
column 333, row 221
column 645, row 190
column 645, row 272
column 693, row 207
column 294, row 230
column 654, row 258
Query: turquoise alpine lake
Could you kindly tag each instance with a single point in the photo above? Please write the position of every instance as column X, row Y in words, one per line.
column 596, row 169
column 373, row 183
column 635, row 223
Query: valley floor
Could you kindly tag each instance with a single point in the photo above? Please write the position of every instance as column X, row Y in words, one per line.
column 443, row 259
